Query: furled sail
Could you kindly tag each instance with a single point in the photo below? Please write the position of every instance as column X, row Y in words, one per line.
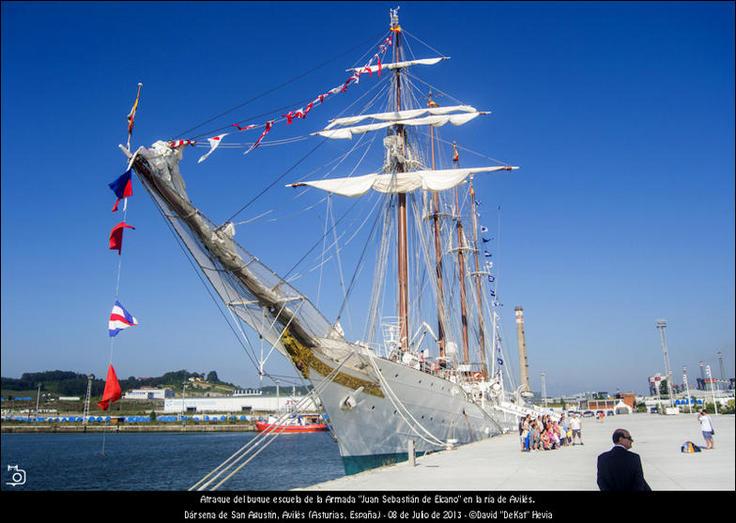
column 433, row 120
column 429, row 180
column 401, row 115
column 401, row 65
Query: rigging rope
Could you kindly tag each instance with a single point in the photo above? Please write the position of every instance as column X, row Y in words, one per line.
column 273, row 89
column 407, row 33
column 272, row 184
column 238, row 455
column 398, row 405
column 357, row 269
column 180, row 242
column 269, row 186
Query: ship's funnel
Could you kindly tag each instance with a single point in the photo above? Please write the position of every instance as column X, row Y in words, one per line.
column 523, row 363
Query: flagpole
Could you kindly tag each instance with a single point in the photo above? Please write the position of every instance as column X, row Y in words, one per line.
column 131, row 116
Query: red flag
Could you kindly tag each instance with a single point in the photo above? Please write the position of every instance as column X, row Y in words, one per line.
column 112, row 389
column 266, row 130
column 246, row 128
column 116, row 236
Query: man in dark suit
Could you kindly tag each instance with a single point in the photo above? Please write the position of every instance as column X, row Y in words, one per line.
column 618, row 469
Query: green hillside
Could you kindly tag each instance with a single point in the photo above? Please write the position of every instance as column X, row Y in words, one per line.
column 67, row 383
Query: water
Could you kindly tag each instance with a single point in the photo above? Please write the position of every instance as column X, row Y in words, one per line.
column 155, row 461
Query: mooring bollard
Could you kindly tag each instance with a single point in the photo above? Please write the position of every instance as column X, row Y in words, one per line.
column 412, row 454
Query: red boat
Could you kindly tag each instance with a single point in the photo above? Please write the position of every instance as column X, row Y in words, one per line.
column 292, row 425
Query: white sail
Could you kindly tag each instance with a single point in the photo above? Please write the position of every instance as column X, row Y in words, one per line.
column 429, row 180
column 434, row 120
column 401, row 65
column 401, row 115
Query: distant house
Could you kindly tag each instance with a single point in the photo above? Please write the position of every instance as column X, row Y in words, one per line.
column 149, row 394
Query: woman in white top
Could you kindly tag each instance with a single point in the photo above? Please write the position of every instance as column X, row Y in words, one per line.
column 707, row 427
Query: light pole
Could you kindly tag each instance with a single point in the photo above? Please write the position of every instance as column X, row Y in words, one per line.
column 687, row 388
column 38, row 398
column 661, row 325
column 183, row 393
column 712, row 392
column 544, row 389
column 85, row 415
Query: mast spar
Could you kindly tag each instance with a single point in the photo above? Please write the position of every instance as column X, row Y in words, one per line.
column 437, row 251
column 461, row 272
column 402, row 255
column 478, row 274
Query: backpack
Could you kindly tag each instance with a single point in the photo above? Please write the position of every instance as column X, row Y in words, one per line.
column 689, row 447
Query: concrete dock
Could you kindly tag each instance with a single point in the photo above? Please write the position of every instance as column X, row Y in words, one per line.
column 498, row 463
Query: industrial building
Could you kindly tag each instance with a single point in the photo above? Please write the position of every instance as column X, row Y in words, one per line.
column 237, row 404
column 149, row 394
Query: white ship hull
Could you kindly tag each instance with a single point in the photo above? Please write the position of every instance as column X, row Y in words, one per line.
column 414, row 405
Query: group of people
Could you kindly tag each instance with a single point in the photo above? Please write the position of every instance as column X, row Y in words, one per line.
column 546, row 433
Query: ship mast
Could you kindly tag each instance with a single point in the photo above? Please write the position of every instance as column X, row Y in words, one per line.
column 402, row 256
column 437, row 251
column 481, row 325
column 461, row 270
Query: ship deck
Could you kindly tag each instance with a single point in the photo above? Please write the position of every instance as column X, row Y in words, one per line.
column 498, row 464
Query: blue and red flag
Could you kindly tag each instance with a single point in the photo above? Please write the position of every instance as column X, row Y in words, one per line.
column 120, row 319
column 116, row 236
column 122, row 187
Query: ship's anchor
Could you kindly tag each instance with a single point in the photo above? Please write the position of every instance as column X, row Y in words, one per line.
column 350, row 401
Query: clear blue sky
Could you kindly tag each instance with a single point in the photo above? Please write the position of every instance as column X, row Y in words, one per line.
column 620, row 114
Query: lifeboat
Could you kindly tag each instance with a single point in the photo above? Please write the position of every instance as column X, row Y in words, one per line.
column 294, row 424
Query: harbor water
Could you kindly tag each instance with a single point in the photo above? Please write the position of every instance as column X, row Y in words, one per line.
column 155, row 461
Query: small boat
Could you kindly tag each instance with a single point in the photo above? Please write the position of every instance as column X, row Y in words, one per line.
column 293, row 424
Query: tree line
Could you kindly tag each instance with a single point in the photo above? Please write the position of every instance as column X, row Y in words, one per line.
column 67, row 383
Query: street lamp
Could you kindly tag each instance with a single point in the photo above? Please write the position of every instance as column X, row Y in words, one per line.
column 661, row 325
column 687, row 388
column 712, row 392
column 544, row 388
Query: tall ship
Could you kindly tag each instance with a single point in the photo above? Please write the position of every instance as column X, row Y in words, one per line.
column 428, row 373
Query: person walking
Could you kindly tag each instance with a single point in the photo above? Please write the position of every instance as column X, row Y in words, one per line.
column 706, row 426
column 576, row 425
column 619, row 469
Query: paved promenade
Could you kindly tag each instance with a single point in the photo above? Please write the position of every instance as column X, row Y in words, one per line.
column 498, row 464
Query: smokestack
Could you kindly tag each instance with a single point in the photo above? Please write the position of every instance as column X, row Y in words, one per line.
column 523, row 363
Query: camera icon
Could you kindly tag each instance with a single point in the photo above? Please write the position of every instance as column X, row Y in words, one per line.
column 18, row 476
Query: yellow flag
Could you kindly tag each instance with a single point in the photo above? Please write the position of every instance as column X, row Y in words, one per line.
column 131, row 115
